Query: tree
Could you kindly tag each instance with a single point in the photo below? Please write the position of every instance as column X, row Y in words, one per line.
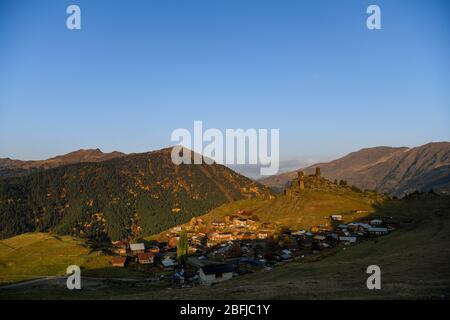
column 182, row 248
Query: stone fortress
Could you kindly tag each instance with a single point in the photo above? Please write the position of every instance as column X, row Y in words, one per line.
column 309, row 182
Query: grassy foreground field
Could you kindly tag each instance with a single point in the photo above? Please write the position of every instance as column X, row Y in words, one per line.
column 34, row 255
column 414, row 262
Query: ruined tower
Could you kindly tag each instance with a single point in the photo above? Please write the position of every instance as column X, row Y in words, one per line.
column 318, row 172
column 301, row 178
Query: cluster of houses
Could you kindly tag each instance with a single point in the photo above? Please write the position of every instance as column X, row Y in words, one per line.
column 138, row 253
column 239, row 244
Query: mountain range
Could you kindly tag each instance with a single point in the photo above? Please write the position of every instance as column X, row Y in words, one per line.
column 125, row 196
column 93, row 194
column 10, row 167
column 396, row 171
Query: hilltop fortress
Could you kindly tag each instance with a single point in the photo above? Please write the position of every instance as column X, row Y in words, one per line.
column 311, row 182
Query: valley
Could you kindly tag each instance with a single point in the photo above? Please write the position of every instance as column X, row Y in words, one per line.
column 216, row 235
column 413, row 261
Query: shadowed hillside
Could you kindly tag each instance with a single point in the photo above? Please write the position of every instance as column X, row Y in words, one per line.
column 124, row 197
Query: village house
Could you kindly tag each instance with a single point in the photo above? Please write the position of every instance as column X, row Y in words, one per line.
column 240, row 222
column 336, row 217
column 216, row 237
column 286, row 255
column 218, row 223
column 137, row 248
column 376, row 222
column 264, row 234
column 120, row 247
column 214, row 273
column 169, row 263
column 358, row 226
column 246, row 236
column 119, row 262
column 298, row 233
column 346, row 239
column 377, row 231
column 145, row 258
column 319, row 237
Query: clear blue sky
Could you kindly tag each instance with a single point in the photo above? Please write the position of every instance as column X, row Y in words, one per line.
column 139, row 69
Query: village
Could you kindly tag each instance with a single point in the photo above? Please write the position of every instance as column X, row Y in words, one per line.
column 205, row 253
column 236, row 245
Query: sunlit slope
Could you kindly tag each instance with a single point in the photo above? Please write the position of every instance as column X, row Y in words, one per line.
column 414, row 262
column 39, row 254
column 311, row 208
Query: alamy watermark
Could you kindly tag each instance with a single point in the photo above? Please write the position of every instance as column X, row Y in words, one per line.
column 74, row 280
column 73, row 22
column 374, row 280
column 236, row 146
column 373, row 22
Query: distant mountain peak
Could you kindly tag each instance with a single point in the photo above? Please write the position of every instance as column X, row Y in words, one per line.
column 120, row 197
column 10, row 167
column 395, row 170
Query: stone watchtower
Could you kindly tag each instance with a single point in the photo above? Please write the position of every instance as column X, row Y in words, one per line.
column 318, row 172
column 301, row 180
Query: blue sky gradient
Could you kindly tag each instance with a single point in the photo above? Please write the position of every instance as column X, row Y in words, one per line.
column 137, row 70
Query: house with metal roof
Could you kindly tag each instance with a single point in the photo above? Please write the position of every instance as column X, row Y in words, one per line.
column 214, row 273
column 137, row 248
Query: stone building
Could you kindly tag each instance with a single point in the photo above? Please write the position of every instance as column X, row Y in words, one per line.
column 301, row 180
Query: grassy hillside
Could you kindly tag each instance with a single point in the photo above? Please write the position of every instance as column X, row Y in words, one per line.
column 413, row 261
column 312, row 207
column 39, row 254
